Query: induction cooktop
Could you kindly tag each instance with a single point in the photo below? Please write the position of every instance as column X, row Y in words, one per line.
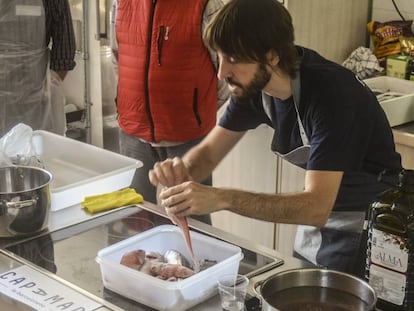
column 70, row 252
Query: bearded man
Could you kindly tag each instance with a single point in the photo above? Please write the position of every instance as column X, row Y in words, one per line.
column 325, row 120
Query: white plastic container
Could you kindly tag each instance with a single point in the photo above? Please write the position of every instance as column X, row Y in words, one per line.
column 399, row 109
column 161, row 294
column 80, row 169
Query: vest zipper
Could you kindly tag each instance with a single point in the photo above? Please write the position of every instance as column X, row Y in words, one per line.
column 195, row 107
column 147, row 64
column 161, row 33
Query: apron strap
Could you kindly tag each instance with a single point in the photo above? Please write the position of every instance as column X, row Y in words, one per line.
column 267, row 104
column 295, row 86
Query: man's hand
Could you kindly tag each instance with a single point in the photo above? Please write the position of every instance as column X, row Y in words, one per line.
column 169, row 173
column 191, row 198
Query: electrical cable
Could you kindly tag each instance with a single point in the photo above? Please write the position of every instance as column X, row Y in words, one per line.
column 398, row 10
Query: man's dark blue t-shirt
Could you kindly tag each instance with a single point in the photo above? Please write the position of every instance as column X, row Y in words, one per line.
column 347, row 128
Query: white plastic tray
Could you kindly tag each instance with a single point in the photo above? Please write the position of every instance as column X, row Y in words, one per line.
column 80, row 169
column 161, row 294
column 396, row 96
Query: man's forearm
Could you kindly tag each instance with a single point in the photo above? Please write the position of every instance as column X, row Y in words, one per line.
column 202, row 159
column 198, row 164
column 292, row 208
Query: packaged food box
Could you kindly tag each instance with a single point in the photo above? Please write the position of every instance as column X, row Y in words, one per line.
column 80, row 169
column 166, row 295
column 398, row 66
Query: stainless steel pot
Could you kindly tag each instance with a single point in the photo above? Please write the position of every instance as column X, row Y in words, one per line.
column 315, row 289
column 24, row 200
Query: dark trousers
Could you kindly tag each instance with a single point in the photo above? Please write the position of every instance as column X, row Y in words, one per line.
column 133, row 147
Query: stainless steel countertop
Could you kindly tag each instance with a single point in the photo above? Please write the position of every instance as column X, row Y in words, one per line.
column 75, row 215
column 404, row 134
column 407, row 128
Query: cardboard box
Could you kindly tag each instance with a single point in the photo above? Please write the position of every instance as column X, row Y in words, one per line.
column 396, row 97
column 161, row 294
column 397, row 66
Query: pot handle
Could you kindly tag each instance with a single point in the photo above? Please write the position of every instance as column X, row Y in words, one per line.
column 21, row 204
column 255, row 286
column 257, row 292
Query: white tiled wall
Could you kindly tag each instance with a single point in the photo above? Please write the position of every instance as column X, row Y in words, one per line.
column 383, row 10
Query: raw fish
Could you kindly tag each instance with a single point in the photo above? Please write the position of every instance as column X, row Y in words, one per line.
column 153, row 264
column 175, row 257
column 166, row 270
column 134, row 259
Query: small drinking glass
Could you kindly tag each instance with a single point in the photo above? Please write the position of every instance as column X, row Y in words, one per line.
column 232, row 289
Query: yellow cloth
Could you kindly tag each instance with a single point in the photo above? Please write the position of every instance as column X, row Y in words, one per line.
column 102, row 202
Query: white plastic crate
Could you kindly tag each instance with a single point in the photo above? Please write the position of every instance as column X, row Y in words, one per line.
column 161, row 294
column 396, row 96
column 80, row 169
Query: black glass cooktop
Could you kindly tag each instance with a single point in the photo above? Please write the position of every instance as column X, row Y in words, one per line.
column 70, row 252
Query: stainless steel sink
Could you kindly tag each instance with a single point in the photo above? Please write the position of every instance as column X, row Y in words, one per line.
column 69, row 248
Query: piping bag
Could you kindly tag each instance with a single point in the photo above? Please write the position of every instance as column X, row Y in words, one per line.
column 183, row 224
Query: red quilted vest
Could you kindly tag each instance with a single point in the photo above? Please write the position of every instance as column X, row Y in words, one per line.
column 167, row 87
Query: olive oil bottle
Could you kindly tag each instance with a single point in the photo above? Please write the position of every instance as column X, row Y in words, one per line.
column 390, row 249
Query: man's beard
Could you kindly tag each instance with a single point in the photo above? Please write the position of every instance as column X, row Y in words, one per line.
column 259, row 81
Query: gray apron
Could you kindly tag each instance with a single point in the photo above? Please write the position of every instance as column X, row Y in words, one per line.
column 300, row 155
column 24, row 58
column 338, row 243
